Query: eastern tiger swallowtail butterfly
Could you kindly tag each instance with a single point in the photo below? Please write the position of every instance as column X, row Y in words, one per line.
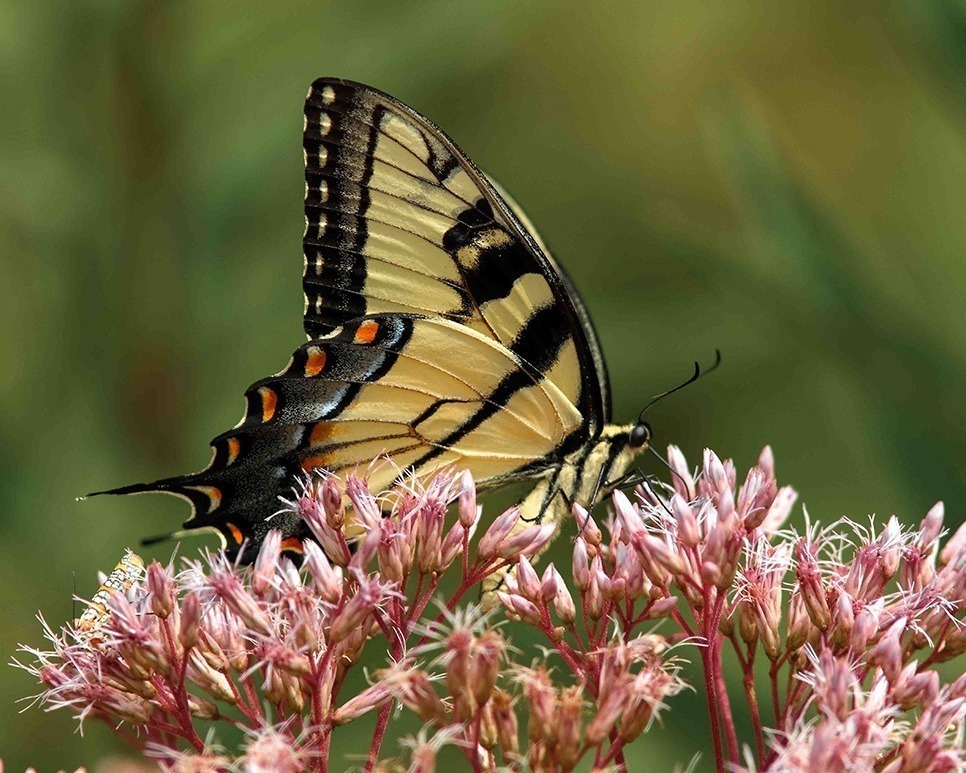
column 441, row 332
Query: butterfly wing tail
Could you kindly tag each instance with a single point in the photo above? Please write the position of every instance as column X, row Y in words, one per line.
column 199, row 490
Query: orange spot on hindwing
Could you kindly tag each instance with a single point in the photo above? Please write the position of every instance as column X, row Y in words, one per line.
column 315, row 361
column 236, row 533
column 366, row 332
column 292, row 543
column 234, row 448
column 269, row 402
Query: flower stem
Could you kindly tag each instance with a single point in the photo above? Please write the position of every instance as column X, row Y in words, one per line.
column 748, row 669
column 709, row 688
column 381, row 724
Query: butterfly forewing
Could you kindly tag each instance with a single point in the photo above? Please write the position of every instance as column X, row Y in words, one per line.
column 398, row 219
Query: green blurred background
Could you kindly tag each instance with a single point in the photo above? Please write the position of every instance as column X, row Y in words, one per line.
column 782, row 180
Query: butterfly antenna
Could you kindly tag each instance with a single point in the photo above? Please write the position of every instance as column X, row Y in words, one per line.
column 717, row 362
column 675, row 473
column 656, row 398
column 694, row 377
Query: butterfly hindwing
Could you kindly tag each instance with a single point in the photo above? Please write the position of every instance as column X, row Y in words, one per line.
column 427, row 392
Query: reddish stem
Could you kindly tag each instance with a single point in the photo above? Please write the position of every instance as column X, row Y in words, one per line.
column 773, row 673
column 748, row 671
column 382, row 722
column 727, row 718
column 709, row 689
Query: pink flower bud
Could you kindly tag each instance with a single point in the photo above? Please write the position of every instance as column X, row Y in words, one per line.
column 498, row 531
column 932, row 525
column 887, row 653
column 526, row 542
column 628, row 515
column 483, row 668
column 688, row 531
column 203, row 709
column 160, row 589
column 563, row 603
column 364, row 505
column 587, row 527
column 548, row 584
column 394, row 558
column 366, row 549
column 527, row 580
column 779, row 510
column 711, row 574
column 267, row 563
column 206, row 678
column 681, row 477
column 332, row 503
column 954, row 546
column 332, row 540
column 865, row 627
column 468, row 511
column 581, row 565
column 747, row 622
column 327, row 579
column 369, row 699
column 519, row 608
column 430, row 537
column 190, row 621
column 655, row 550
column 892, row 552
column 799, row 624
column 358, row 609
column 542, row 699
column 810, row 585
column 766, row 462
column 453, row 543
column 662, row 607
column 592, row 597
column 843, row 620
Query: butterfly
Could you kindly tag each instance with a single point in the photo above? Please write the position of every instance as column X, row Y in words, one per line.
column 441, row 331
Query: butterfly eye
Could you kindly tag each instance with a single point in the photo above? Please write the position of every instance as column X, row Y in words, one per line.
column 640, row 435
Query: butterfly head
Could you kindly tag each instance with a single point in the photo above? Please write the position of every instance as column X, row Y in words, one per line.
column 640, row 435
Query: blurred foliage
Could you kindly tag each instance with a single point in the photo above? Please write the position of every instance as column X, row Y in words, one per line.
column 782, row 180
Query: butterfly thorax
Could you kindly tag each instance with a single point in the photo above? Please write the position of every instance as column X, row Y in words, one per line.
column 583, row 477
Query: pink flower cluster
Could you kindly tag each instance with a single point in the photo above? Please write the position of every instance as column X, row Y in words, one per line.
column 848, row 623
column 269, row 647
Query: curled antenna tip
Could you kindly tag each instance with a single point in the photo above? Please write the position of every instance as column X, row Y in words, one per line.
column 694, row 377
